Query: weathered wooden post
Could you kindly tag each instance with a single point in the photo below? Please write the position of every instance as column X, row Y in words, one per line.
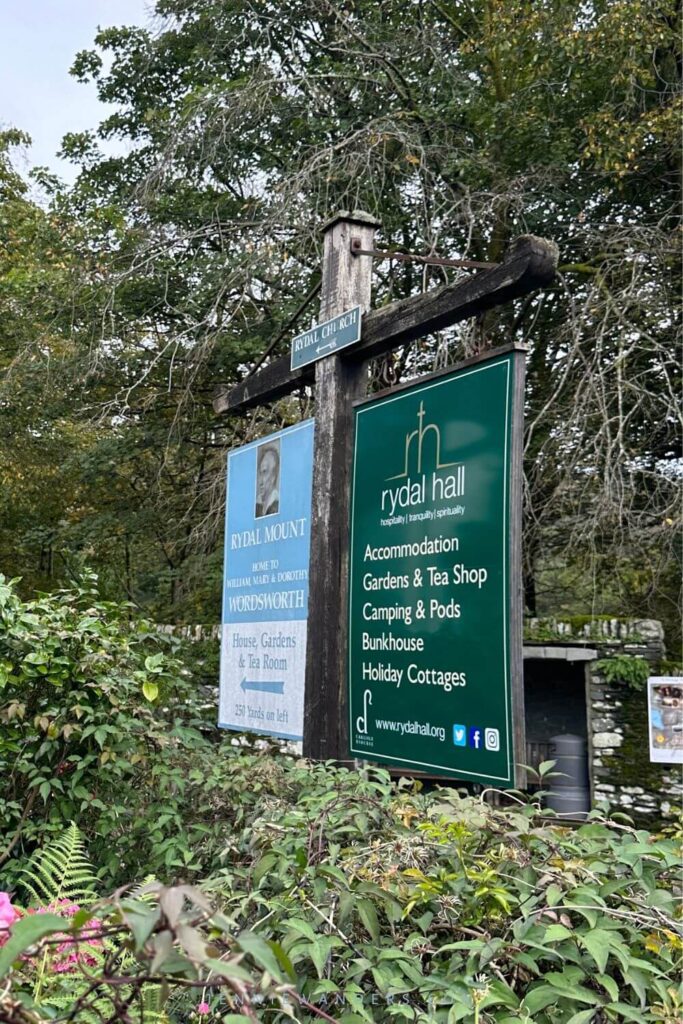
column 346, row 282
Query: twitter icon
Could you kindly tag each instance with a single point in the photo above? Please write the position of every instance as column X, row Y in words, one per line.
column 460, row 735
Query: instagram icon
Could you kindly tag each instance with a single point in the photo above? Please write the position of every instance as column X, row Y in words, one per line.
column 492, row 739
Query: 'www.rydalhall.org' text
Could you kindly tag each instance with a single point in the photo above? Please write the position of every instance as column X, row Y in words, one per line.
column 412, row 728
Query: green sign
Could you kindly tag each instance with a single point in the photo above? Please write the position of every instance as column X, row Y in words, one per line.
column 326, row 338
column 434, row 623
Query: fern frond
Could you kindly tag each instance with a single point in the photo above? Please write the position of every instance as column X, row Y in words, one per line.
column 60, row 871
column 98, row 1009
column 144, row 897
column 151, row 1008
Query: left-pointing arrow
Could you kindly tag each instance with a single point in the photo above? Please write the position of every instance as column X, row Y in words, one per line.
column 263, row 686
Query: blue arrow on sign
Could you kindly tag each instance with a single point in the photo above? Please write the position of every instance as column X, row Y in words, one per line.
column 263, row 687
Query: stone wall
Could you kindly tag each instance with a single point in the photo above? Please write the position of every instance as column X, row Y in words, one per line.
column 618, row 743
column 642, row 637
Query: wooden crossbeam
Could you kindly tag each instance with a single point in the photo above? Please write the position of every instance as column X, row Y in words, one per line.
column 530, row 263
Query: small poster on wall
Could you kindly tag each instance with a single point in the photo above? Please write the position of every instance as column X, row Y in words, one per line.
column 665, row 712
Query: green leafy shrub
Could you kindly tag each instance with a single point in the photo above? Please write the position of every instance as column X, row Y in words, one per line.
column 625, row 669
column 76, row 723
column 439, row 908
column 361, row 902
column 100, row 724
column 338, row 894
column 141, row 951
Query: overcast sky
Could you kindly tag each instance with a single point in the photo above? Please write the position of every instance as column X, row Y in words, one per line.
column 38, row 42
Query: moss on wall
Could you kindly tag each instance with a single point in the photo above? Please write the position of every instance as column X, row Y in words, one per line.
column 581, row 627
column 630, row 765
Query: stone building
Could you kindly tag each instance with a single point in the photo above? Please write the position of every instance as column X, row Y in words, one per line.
column 566, row 691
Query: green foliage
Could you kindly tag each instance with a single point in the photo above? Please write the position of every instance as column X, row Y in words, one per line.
column 167, row 269
column 669, row 667
column 60, row 871
column 100, row 726
column 338, row 892
column 438, row 908
column 342, row 894
column 625, row 669
column 162, row 951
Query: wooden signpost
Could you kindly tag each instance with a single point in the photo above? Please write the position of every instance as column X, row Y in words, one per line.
column 340, row 381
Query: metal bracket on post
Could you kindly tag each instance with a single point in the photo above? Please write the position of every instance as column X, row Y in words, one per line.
column 410, row 257
column 530, row 263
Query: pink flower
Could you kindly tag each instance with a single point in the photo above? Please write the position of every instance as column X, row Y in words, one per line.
column 203, row 1008
column 66, row 966
column 8, row 915
column 72, row 945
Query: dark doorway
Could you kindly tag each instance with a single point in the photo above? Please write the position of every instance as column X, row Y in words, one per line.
column 555, row 704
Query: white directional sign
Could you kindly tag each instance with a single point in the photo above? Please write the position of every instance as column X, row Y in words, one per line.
column 326, row 338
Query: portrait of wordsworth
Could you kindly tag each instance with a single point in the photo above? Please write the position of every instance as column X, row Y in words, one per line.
column 268, row 479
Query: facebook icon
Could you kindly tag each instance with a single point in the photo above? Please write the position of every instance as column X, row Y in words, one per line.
column 475, row 737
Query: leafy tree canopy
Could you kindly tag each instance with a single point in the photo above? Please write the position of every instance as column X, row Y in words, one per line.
column 459, row 124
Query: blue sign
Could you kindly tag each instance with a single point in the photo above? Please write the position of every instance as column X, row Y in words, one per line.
column 265, row 584
column 326, row 338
